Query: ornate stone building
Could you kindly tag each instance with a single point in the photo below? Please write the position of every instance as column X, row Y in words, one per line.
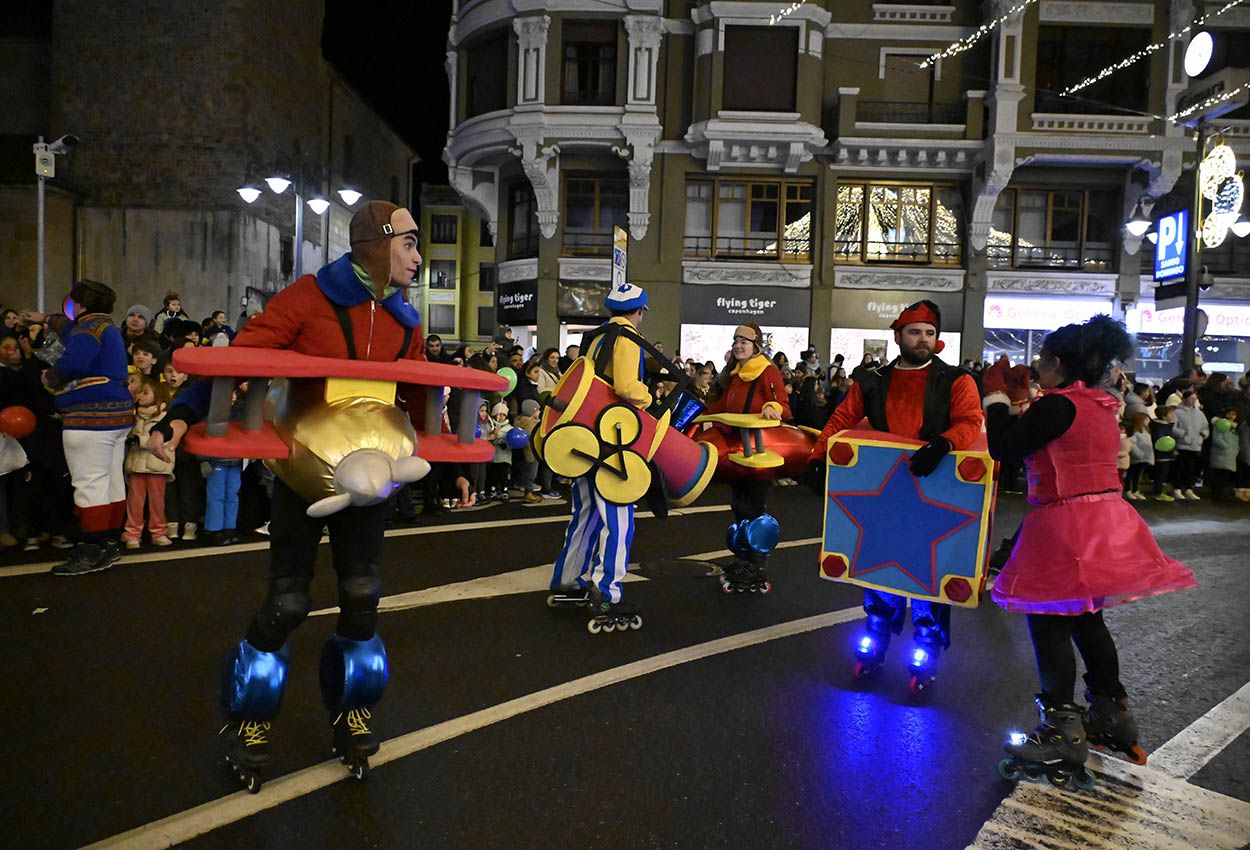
column 797, row 164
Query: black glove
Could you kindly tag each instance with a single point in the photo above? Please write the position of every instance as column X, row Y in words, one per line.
column 814, row 478
column 926, row 458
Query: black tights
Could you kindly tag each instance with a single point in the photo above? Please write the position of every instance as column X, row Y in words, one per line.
column 1053, row 636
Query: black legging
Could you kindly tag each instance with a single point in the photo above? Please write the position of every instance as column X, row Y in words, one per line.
column 749, row 497
column 356, row 536
column 1053, row 636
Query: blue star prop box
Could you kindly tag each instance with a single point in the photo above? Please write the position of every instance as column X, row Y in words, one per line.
column 926, row 538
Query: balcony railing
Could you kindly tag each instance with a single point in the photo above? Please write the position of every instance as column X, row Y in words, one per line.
column 587, row 243
column 901, row 112
column 748, row 248
column 1064, row 256
column 523, row 247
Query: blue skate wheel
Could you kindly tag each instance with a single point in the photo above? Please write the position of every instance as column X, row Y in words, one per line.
column 1084, row 779
column 1009, row 770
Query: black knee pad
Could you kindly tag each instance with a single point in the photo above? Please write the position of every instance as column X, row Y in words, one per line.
column 280, row 615
column 360, row 593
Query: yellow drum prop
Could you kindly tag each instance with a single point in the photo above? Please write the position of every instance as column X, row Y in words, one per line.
column 587, row 429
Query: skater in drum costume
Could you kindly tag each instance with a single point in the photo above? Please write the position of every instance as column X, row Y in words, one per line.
column 750, row 383
column 353, row 308
column 1081, row 550
column 919, row 397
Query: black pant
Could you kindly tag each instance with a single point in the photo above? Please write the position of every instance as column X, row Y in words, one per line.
column 1132, row 479
column 1188, row 467
column 749, row 497
column 1161, row 474
column 356, row 536
column 184, row 497
column 1053, row 636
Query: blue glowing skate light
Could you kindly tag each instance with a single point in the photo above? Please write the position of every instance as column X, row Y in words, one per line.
column 919, row 657
column 1017, row 739
column 865, row 644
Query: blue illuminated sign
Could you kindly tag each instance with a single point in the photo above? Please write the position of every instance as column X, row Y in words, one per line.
column 1173, row 242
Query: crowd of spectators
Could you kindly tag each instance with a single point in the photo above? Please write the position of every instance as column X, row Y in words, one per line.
column 1182, row 438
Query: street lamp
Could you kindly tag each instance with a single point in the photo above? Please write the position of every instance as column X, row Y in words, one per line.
column 349, row 196
column 1139, row 223
column 318, row 204
column 45, row 167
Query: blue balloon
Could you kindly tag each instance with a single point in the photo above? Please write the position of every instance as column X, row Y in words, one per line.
column 517, row 438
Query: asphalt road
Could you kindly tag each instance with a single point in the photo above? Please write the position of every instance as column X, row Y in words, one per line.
column 726, row 722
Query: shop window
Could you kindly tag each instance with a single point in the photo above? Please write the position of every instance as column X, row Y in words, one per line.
column 898, row 223
column 442, row 274
column 761, row 68
column 589, row 63
column 442, row 319
column 486, row 320
column 485, row 278
column 592, row 207
column 755, row 220
column 522, row 222
column 443, row 229
column 486, row 75
column 1042, row 228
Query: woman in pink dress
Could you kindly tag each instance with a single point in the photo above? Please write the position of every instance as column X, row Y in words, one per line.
column 1081, row 549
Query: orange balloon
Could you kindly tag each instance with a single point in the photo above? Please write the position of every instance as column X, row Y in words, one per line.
column 17, row 421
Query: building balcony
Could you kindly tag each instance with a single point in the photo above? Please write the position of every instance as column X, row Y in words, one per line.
column 755, row 140
column 938, row 12
column 886, row 119
column 1064, row 123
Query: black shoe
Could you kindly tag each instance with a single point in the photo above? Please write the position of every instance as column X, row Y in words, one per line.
column 88, row 558
column 226, row 537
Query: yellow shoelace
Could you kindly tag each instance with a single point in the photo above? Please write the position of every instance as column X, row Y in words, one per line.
column 254, row 732
column 356, row 721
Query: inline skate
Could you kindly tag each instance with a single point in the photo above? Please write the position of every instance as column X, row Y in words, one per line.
column 568, row 596
column 613, row 616
column 1056, row 749
column 923, row 669
column 248, row 751
column 1110, row 725
column 747, row 576
column 354, row 741
column 869, row 655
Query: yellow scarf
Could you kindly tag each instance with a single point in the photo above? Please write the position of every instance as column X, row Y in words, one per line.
column 752, row 369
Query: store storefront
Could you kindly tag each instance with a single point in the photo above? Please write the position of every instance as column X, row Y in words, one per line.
column 1223, row 338
column 862, row 319
column 710, row 312
column 516, row 305
column 1015, row 325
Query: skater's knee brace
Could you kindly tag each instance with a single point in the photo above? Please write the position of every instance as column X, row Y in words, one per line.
column 280, row 616
column 353, row 672
column 358, row 607
column 761, row 534
column 252, row 682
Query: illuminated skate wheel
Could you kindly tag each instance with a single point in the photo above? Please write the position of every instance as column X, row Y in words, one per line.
column 1009, row 770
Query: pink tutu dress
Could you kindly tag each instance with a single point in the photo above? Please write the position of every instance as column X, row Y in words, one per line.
column 1083, row 548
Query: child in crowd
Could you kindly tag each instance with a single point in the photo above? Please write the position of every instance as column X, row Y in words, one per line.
column 1222, row 467
column 184, row 498
column 1191, row 431
column 1164, row 442
column 502, row 463
column 525, row 461
column 221, row 502
column 1141, row 457
column 146, row 475
column 477, row 471
column 1124, row 458
column 145, row 355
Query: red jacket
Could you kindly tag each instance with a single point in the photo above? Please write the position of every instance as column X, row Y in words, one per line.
column 768, row 384
column 302, row 318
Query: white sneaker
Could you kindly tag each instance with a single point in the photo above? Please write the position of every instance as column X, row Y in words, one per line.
column 131, row 543
column 163, row 540
column 1179, row 496
column 189, row 530
column 32, row 544
column 171, row 530
column 264, row 529
column 1190, row 494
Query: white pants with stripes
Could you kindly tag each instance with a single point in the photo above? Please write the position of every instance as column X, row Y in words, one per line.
column 596, row 545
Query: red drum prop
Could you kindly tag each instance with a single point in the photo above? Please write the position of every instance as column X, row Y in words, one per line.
column 598, row 428
column 17, row 421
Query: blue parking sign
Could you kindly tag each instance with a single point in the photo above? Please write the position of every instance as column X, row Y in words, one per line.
column 1171, row 247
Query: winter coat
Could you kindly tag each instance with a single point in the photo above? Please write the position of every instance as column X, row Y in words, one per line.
column 1123, row 459
column 1191, row 428
column 1224, row 446
column 138, row 458
column 1158, row 430
column 1243, row 454
column 495, row 433
column 1143, row 448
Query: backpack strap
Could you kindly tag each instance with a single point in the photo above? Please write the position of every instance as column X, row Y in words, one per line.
column 345, row 322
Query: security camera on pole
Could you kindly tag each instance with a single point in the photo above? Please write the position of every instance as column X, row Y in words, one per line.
column 1211, row 93
column 45, row 167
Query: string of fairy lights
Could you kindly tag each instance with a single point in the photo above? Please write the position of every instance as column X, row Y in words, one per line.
column 967, row 42
column 1149, row 49
column 1213, row 100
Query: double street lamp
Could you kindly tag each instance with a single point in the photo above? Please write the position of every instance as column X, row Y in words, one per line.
column 304, row 174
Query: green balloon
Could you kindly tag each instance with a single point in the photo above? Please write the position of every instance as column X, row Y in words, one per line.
column 1223, row 424
column 1165, row 443
column 509, row 375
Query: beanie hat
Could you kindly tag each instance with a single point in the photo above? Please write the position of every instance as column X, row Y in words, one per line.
column 499, row 408
column 139, row 310
column 370, row 233
column 753, row 333
column 922, row 311
column 529, row 407
column 626, row 298
column 96, row 297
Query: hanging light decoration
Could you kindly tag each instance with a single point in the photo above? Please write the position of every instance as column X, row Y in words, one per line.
column 1224, row 186
column 979, row 33
column 1217, row 166
column 786, row 12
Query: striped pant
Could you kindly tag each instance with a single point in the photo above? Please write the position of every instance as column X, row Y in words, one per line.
column 596, row 545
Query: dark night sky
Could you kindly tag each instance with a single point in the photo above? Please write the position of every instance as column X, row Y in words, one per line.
column 393, row 53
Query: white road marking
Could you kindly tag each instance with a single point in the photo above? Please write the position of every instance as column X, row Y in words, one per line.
column 227, row 810
column 526, row 580
column 1202, row 740
column 179, row 554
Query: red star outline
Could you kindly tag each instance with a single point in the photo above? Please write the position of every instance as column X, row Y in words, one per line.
column 853, row 570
